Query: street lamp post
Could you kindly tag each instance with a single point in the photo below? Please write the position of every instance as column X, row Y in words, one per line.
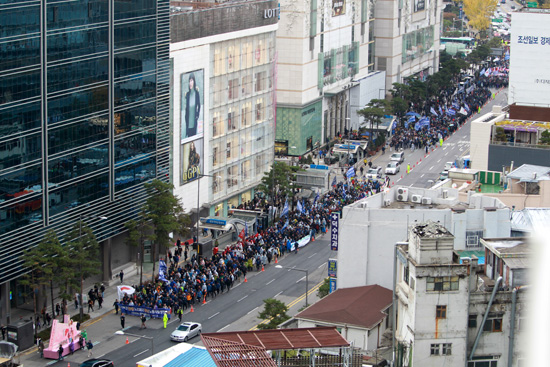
column 80, row 216
column 120, row 332
column 298, row 269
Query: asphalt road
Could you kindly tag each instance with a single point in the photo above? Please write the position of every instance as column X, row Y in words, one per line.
column 234, row 310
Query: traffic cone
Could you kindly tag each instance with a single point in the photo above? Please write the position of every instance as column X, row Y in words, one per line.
column 204, row 301
column 69, row 364
column 245, row 280
column 276, row 262
column 127, row 341
column 262, row 267
column 191, row 310
column 312, row 239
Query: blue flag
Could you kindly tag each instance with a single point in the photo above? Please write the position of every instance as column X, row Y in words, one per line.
column 285, row 209
column 300, row 207
column 246, row 229
column 316, row 198
column 162, row 271
column 432, row 110
column 333, row 181
column 451, row 112
column 351, row 172
column 466, row 107
column 440, row 110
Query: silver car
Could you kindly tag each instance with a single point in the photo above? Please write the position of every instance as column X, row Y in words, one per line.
column 392, row 168
column 186, row 331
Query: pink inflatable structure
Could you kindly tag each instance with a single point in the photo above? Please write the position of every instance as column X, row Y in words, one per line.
column 62, row 333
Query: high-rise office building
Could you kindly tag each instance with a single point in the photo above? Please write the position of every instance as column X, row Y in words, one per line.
column 84, row 121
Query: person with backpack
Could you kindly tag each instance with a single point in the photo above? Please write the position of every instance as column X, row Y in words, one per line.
column 90, row 346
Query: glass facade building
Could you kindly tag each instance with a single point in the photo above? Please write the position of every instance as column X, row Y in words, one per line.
column 84, row 116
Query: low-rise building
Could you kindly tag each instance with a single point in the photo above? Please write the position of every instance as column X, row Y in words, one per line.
column 453, row 312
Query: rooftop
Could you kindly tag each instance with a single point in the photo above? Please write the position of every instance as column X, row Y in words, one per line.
column 359, row 306
column 508, row 247
column 530, row 219
column 530, row 173
column 431, row 230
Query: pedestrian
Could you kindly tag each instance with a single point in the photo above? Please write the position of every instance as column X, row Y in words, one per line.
column 76, row 301
column 84, row 334
column 81, row 342
column 60, row 351
column 165, row 319
column 38, row 322
column 57, row 309
column 41, row 348
column 90, row 346
column 71, row 346
column 48, row 318
column 180, row 314
column 116, row 306
column 122, row 320
column 100, row 301
column 90, row 305
column 3, row 331
column 102, row 290
column 121, row 276
column 143, row 319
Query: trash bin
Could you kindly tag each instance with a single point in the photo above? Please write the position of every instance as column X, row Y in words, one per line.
column 21, row 334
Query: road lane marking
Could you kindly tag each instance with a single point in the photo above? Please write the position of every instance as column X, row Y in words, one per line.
column 439, row 161
column 278, row 294
column 242, row 298
column 422, row 176
column 254, row 309
column 432, row 167
column 214, row 315
column 226, row 326
column 271, row 281
column 299, row 280
column 141, row 353
column 309, row 257
column 320, row 266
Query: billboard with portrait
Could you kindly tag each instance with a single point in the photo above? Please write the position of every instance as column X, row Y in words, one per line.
column 419, row 5
column 192, row 158
column 192, row 105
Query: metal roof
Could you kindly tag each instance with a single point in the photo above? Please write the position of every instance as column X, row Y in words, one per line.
column 530, row 219
column 227, row 353
column 530, row 173
column 194, row 357
column 317, row 337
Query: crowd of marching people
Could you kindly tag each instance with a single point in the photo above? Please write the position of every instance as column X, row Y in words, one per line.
column 186, row 283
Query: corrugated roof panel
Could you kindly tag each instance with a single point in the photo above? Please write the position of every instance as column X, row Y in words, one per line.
column 195, row 357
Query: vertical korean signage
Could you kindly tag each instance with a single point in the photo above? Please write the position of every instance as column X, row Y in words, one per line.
column 334, row 227
column 332, row 285
column 332, row 268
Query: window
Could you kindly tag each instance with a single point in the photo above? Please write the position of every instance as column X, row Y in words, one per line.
column 259, row 110
column 483, row 361
column 247, row 85
column 472, row 321
column 406, row 274
column 446, row 349
column 434, row 349
column 437, row 284
column 440, row 349
column 493, row 324
column 233, row 89
column 472, row 238
column 412, row 283
column 260, row 81
column 440, row 312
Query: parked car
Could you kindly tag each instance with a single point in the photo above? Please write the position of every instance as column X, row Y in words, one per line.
column 448, row 166
column 392, row 168
column 374, row 172
column 398, row 157
column 443, row 175
column 97, row 362
column 186, row 331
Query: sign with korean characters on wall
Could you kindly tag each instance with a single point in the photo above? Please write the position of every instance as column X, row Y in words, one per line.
column 334, row 223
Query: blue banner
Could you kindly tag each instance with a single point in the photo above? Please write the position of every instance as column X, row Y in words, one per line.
column 332, row 283
column 332, row 267
column 156, row 313
column 334, row 222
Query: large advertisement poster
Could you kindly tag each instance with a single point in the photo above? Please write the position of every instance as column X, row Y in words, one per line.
column 419, row 5
column 192, row 158
column 192, row 105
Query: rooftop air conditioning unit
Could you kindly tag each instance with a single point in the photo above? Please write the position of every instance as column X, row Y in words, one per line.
column 416, row 199
column 363, row 205
column 387, row 202
column 445, row 194
column 402, row 194
column 426, row 201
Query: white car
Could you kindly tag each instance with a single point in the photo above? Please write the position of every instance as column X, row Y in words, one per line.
column 186, row 331
column 392, row 168
column 374, row 173
column 398, row 157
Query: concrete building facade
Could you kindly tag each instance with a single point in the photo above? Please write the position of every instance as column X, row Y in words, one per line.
column 407, row 38
column 456, row 312
column 227, row 144
column 325, row 67
column 371, row 226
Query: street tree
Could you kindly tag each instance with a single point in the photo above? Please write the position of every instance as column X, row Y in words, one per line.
column 479, row 13
column 137, row 231
column 274, row 313
column 278, row 181
column 324, row 289
column 545, row 138
column 165, row 212
column 373, row 114
column 83, row 252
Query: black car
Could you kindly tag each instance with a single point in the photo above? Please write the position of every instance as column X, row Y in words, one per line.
column 97, row 362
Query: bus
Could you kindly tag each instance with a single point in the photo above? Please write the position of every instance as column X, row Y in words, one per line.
column 467, row 41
